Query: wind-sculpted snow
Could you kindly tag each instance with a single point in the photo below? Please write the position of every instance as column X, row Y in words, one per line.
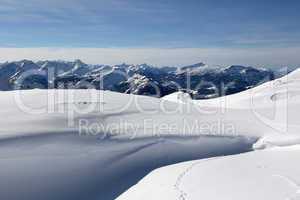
column 272, row 173
column 90, row 144
column 67, row 166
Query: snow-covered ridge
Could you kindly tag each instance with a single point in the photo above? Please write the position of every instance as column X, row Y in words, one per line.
column 63, row 161
column 270, row 172
column 91, row 144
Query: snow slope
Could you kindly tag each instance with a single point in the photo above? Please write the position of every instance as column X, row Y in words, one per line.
column 271, row 173
column 275, row 104
column 51, row 146
column 45, row 155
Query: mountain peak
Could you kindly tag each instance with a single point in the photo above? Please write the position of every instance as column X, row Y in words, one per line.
column 79, row 62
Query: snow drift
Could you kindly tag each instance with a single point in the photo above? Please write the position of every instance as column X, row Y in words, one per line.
column 88, row 144
column 272, row 173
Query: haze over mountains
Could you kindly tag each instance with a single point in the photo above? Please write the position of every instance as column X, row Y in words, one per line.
column 200, row 80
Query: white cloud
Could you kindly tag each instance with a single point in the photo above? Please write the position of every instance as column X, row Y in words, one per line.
column 159, row 56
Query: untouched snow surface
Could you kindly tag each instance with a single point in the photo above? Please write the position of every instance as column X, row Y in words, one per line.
column 88, row 144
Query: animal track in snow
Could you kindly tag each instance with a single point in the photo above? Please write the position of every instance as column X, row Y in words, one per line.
column 293, row 184
column 183, row 194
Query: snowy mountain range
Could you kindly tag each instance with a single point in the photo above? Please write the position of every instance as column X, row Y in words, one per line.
column 200, row 80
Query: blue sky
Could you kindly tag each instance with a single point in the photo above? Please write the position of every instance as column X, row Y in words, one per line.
column 205, row 24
